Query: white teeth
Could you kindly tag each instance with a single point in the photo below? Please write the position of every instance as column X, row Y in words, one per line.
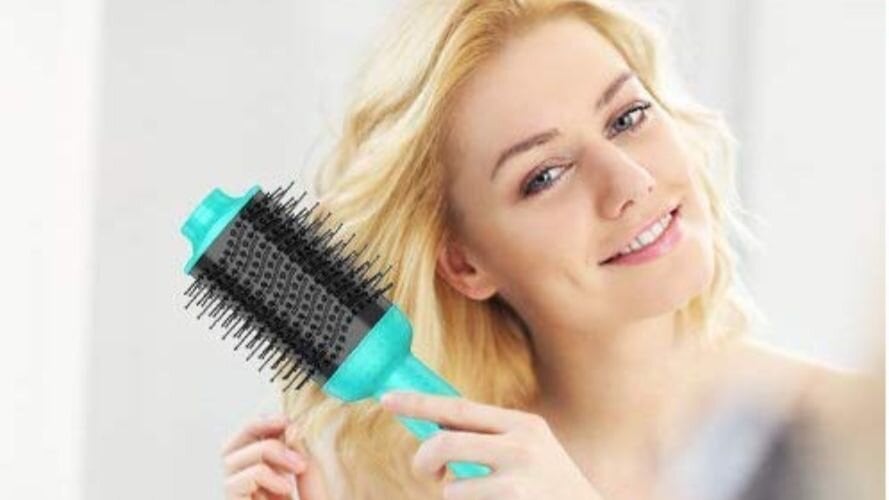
column 649, row 235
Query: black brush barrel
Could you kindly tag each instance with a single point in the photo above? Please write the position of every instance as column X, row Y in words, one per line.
column 281, row 287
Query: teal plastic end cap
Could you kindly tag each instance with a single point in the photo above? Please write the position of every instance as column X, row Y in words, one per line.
column 208, row 220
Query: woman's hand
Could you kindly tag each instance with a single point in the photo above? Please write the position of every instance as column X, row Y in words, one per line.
column 526, row 459
column 259, row 466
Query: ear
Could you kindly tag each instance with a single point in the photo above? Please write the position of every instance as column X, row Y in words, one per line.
column 454, row 266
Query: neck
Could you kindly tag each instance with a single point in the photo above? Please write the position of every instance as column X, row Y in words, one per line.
column 625, row 388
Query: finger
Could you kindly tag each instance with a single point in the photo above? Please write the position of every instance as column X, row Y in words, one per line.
column 264, row 494
column 291, row 481
column 272, row 451
column 489, row 487
column 256, row 430
column 310, row 483
column 450, row 411
column 254, row 478
column 448, row 446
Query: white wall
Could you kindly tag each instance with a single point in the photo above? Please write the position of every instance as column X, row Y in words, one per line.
column 815, row 135
column 48, row 85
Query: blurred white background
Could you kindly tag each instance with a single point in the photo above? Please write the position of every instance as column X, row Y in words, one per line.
column 119, row 116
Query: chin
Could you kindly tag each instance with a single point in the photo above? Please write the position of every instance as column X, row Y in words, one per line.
column 672, row 287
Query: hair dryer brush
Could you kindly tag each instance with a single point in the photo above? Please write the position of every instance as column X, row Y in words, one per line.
column 303, row 307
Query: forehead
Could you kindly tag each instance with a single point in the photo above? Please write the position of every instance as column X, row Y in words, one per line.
column 533, row 80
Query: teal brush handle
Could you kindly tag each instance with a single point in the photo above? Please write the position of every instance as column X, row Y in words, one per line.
column 383, row 362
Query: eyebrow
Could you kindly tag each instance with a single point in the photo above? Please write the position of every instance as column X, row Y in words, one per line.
column 548, row 135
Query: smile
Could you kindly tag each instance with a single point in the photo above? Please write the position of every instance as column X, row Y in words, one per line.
column 657, row 239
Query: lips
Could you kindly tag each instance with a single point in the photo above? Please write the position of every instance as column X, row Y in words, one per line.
column 639, row 229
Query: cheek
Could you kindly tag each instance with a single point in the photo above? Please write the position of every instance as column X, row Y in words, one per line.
column 695, row 266
column 538, row 247
column 666, row 152
column 536, row 253
column 555, row 222
column 699, row 258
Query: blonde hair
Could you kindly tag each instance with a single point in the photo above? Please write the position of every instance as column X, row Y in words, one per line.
column 385, row 182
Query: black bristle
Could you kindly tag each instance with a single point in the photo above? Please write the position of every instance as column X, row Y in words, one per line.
column 285, row 288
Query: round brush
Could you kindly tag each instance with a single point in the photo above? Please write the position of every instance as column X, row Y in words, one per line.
column 305, row 306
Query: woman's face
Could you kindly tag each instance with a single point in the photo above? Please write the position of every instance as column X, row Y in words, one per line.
column 558, row 158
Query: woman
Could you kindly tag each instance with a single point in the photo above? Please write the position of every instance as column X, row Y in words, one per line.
column 557, row 222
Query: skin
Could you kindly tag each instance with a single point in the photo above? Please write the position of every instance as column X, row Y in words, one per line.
column 259, row 466
column 618, row 387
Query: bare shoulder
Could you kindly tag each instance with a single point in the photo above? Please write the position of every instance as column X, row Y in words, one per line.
column 816, row 385
column 773, row 358
column 835, row 430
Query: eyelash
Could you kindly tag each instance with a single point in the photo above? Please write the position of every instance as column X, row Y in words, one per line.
column 526, row 192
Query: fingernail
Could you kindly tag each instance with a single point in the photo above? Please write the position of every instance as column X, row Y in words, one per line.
column 390, row 399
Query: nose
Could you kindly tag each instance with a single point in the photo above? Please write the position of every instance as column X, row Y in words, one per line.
column 619, row 181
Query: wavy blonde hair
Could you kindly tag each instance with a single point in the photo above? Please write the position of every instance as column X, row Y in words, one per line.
column 384, row 180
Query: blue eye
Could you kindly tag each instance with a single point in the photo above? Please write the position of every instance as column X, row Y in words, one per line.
column 542, row 180
column 629, row 120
